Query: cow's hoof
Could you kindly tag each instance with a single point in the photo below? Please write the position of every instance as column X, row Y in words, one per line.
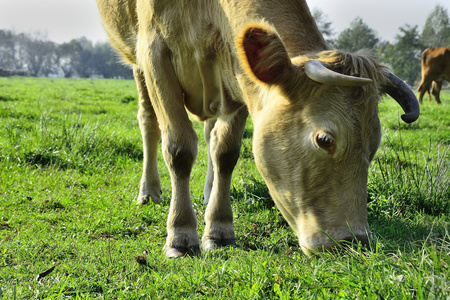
column 145, row 199
column 210, row 245
column 142, row 200
column 181, row 252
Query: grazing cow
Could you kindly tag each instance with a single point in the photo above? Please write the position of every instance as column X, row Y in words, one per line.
column 435, row 69
column 316, row 125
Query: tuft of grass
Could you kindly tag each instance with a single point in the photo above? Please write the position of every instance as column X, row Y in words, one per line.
column 413, row 184
column 128, row 99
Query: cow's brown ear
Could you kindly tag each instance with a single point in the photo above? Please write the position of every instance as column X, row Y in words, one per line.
column 263, row 55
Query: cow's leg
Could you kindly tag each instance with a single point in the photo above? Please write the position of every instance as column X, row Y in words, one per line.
column 150, row 187
column 209, row 125
column 225, row 144
column 179, row 144
column 436, row 90
column 424, row 87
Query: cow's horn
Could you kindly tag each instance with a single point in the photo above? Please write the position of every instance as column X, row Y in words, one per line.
column 402, row 93
column 317, row 71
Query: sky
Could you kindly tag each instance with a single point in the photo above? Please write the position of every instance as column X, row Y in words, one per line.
column 64, row 20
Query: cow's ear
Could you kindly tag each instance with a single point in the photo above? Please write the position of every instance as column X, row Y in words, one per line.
column 263, row 55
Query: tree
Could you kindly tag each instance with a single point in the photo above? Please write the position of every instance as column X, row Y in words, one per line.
column 324, row 26
column 19, row 51
column 404, row 55
column 67, row 57
column 436, row 32
column 82, row 64
column 358, row 36
column 7, row 45
column 40, row 56
column 12, row 50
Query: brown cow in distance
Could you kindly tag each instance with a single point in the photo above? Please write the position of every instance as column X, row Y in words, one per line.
column 435, row 69
column 314, row 112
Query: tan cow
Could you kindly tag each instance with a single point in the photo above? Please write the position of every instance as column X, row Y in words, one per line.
column 435, row 69
column 316, row 126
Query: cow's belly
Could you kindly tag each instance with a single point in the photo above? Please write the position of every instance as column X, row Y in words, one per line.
column 200, row 83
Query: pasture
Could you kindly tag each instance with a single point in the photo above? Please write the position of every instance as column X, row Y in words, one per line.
column 70, row 165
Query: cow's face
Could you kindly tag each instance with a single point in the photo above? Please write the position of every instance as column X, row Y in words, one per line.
column 312, row 142
column 314, row 157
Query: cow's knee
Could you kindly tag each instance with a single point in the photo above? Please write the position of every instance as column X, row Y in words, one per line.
column 180, row 156
column 226, row 159
column 422, row 90
column 435, row 91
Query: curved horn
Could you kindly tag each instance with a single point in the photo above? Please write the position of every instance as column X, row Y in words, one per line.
column 317, row 71
column 402, row 93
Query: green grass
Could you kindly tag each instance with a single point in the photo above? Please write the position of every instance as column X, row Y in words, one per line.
column 70, row 164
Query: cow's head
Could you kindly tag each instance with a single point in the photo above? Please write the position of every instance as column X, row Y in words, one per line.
column 316, row 129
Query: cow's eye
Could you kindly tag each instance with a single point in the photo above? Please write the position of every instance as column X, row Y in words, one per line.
column 326, row 141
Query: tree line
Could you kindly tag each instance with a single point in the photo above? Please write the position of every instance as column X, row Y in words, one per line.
column 404, row 54
column 37, row 56
column 34, row 55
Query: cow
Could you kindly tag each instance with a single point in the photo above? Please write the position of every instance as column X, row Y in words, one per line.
column 435, row 69
column 314, row 112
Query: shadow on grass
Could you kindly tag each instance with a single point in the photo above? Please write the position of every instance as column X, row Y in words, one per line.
column 8, row 98
column 406, row 235
column 82, row 156
column 261, row 227
column 251, row 191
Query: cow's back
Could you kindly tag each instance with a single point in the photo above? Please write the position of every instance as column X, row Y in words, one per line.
column 436, row 63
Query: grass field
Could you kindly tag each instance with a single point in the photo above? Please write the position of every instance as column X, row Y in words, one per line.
column 70, row 165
